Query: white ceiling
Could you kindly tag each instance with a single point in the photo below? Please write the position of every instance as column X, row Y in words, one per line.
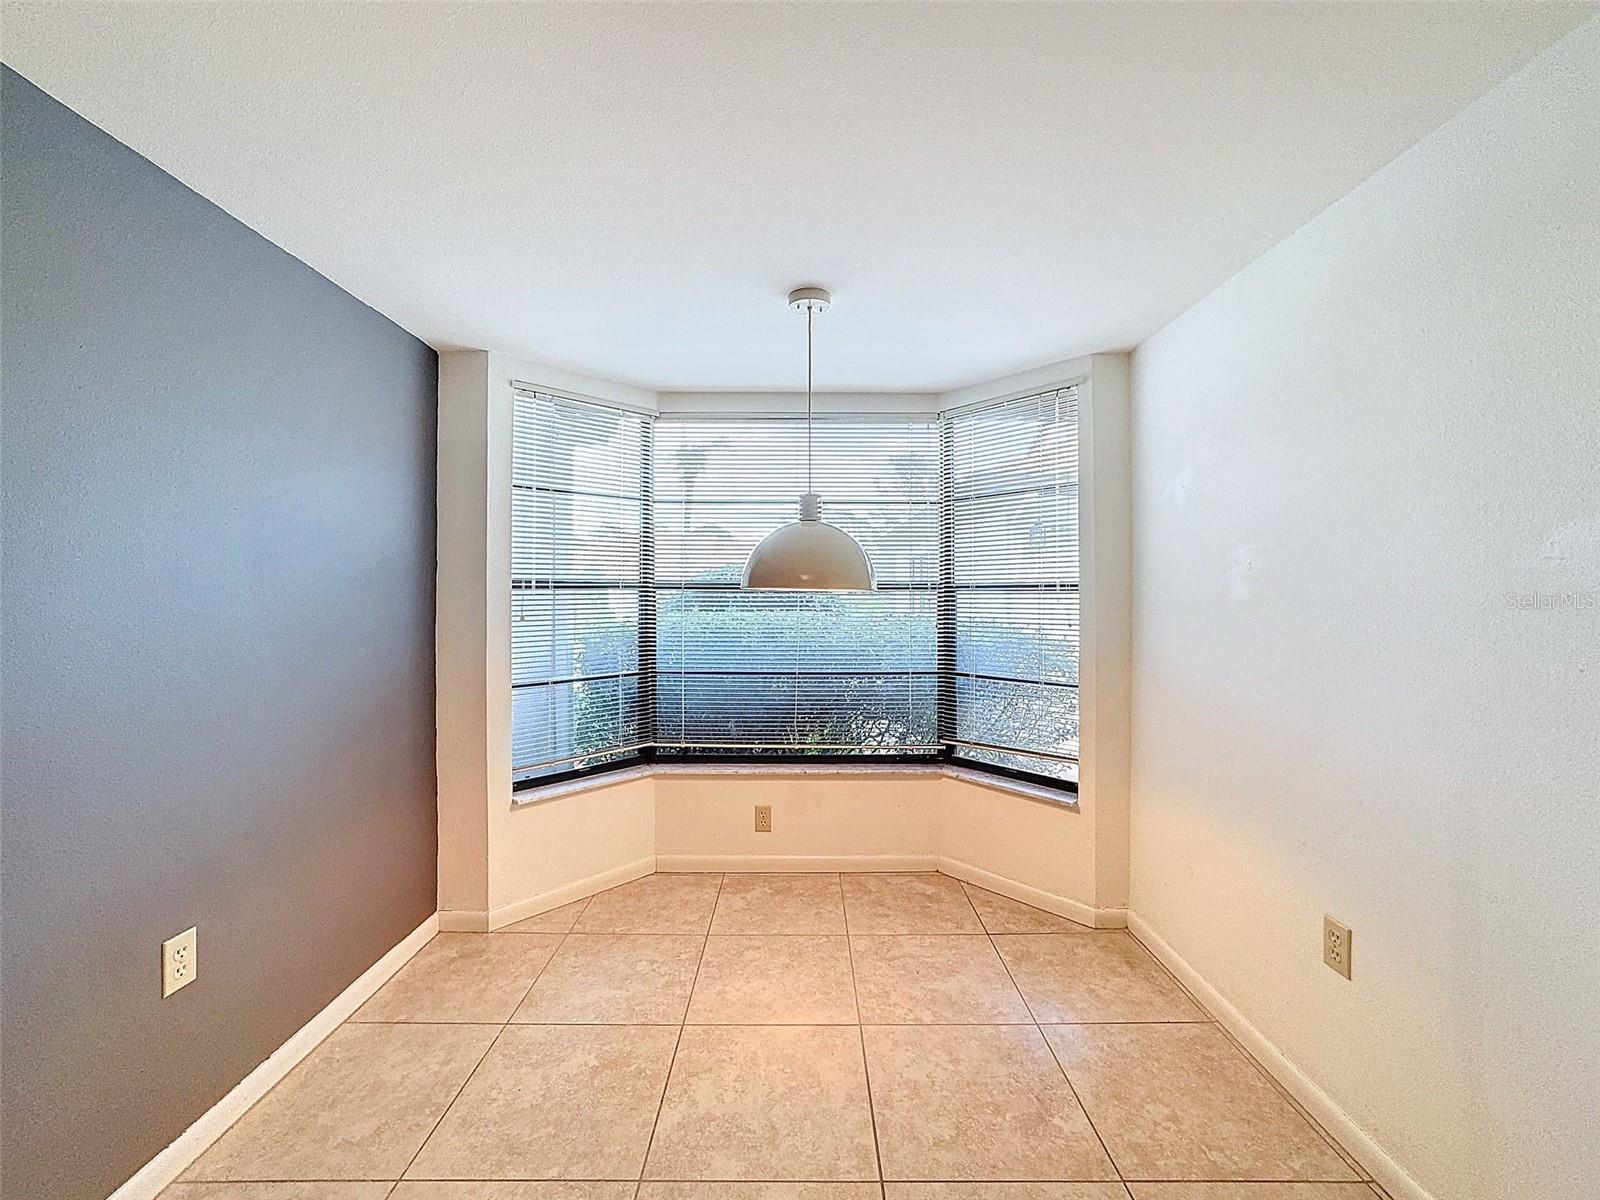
column 630, row 191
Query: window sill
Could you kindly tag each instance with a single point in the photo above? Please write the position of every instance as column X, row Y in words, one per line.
column 526, row 797
column 1044, row 793
column 1057, row 798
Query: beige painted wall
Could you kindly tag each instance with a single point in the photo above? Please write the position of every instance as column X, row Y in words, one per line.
column 1036, row 843
column 821, row 821
column 876, row 820
column 1105, row 667
column 548, row 851
column 539, row 849
column 1346, row 459
column 461, row 631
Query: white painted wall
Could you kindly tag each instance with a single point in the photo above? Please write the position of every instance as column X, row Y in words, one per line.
column 822, row 820
column 881, row 819
column 547, row 853
column 576, row 838
column 1105, row 658
column 1345, row 460
column 988, row 832
column 461, row 632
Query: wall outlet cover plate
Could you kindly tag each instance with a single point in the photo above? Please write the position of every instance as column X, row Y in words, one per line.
column 180, row 962
column 1336, row 945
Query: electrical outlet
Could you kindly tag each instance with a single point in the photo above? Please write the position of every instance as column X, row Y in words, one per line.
column 179, row 962
column 1336, row 945
column 763, row 818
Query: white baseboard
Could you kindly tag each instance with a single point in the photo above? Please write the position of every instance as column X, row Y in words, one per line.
column 1385, row 1171
column 1061, row 906
column 796, row 863
column 189, row 1145
column 452, row 920
column 466, row 921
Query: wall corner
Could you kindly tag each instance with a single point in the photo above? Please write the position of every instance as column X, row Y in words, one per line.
column 1105, row 671
column 463, row 701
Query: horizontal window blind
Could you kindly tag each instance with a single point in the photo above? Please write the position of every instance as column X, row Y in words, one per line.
column 1008, row 644
column 580, row 594
column 795, row 672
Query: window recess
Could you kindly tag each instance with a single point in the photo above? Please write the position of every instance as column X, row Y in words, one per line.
column 1008, row 633
column 631, row 638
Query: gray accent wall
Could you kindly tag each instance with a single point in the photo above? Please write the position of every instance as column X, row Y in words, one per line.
column 216, row 647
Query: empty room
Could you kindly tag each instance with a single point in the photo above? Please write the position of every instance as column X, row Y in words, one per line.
column 799, row 601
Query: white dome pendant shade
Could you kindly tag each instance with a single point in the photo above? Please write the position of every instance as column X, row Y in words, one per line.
column 808, row 554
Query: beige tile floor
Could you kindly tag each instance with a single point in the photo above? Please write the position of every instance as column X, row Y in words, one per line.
column 778, row 1037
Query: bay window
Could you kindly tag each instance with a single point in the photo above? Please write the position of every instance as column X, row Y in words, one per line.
column 632, row 640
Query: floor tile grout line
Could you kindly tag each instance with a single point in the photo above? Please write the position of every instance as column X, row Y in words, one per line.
column 493, row 1042
column 844, row 913
column 966, row 892
column 982, row 924
column 1077, row 926
column 784, row 1024
column 583, row 907
column 710, row 925
column 1211, row 1018
column 581, row 904
column 1084, row 1108
column 537, row 975
column 593, row 896
column 865, row 933
column 644, row 1162
column 1077, row 1099
column 1360, row 1179
column 1300, row 1111
column 499, row 933
column 861, row 1037
column 456, row 1095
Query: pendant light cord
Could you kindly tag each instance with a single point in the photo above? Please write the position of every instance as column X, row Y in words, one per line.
column 810, row 312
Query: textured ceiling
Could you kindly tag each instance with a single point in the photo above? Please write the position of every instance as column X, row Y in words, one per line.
column 630, row 191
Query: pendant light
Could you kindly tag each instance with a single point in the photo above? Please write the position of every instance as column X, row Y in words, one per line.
column 809, row 554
